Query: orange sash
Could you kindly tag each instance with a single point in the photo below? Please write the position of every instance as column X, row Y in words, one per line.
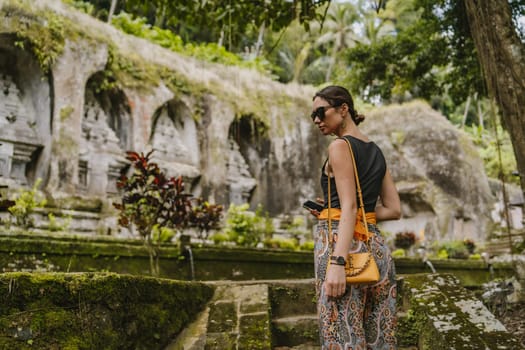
column 360, row 232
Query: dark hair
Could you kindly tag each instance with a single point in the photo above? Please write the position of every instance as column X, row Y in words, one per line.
column 336, row 96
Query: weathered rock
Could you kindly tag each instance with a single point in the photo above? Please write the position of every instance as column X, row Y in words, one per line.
column 438, row 172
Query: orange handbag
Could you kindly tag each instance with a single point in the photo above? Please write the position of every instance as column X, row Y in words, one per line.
column 360, row 268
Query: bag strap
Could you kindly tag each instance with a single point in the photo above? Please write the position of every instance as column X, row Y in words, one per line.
column 359, row 194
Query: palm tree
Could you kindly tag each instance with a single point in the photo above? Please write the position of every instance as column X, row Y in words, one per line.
column 339, row 31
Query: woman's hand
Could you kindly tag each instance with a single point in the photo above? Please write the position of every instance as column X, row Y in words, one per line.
column 316, row 212
column 335, row 281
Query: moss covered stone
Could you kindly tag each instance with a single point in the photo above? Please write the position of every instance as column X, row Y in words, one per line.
column 255, row 332
column 95, row 310
column 438, row 314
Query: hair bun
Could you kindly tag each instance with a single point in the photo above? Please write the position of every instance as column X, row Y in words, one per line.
column 359, row 118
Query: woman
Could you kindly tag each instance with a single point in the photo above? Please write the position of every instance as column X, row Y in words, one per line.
column 356, row 317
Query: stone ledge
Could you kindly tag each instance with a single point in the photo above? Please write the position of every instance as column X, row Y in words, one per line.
column 439, row 314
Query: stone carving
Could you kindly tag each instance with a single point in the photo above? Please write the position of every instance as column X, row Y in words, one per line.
column 240, row 181
column 18, row 137
column 101, row 157
column 170, row 149
column 167, row 141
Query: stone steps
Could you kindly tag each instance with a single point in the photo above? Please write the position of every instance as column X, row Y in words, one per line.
column 238, row 317
column 294, row 315
column 434, row 310
column 296, row 332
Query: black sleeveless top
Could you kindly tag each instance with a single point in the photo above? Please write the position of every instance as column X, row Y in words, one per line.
column 371, row 168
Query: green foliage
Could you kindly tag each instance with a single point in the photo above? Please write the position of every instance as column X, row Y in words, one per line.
column 44, row 37
column 233, row 22
column 83, row 6
column 247, row 228
column 452, row 250
column 25, row 203
column 428, row 55
column 307, row 245
column 442, row 254
column 487, row 146
column 470, row 245
column 56, row 225
column 399, row 253
column 210, row 52
column 220, row 238
column 282, row 243
column 296, row 228
column 162, row 234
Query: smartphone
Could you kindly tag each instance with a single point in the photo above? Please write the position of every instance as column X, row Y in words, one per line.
column 311, row 205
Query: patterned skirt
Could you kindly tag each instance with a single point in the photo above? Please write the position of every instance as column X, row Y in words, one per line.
column 364, row 318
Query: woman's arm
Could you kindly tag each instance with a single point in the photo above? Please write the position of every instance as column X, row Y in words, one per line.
column 390, row 207
column 343, row 171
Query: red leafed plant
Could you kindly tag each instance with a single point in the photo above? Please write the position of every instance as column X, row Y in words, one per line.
column 205, row 217
column 151, row 200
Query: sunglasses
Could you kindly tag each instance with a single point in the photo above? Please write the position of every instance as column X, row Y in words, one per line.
column 320, row 112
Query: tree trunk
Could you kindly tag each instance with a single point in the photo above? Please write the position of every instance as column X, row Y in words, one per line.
column 112, row 10
column 260, row 42
column 502, row 57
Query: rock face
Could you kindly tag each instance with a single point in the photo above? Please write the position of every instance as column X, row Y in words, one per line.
column 233, row 134
column 443, row 187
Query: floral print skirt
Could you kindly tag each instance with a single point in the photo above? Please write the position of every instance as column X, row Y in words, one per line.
column 364, row 318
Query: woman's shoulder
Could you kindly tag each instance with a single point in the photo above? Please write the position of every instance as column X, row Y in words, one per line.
column 359, row 139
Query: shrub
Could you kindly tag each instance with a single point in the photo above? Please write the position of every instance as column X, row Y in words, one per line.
column 307, row 245
column 247, row 228
column 296, row 228
column 399, row 253
column 470, row 245
column 404, row 240
column 220, row 238
column 56, row 225
column 151, row 200
column 454, row 250
column 25, row 203
column 205, row 217
column 282, row 243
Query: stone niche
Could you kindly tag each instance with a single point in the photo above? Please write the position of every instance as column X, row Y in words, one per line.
column 24, row 117
column 105, row 137
column 244, row 160
column 174, row 141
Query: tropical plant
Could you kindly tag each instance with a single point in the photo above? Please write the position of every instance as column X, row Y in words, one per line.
column 247, row 228
column 338, row 31
column 205, row 217
column 25, row 203
column 453, row 250
column 282, row 243
column 151, row 201
column 404, row 240
column 296, row 228
column 470, row 245
column 487, row 145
